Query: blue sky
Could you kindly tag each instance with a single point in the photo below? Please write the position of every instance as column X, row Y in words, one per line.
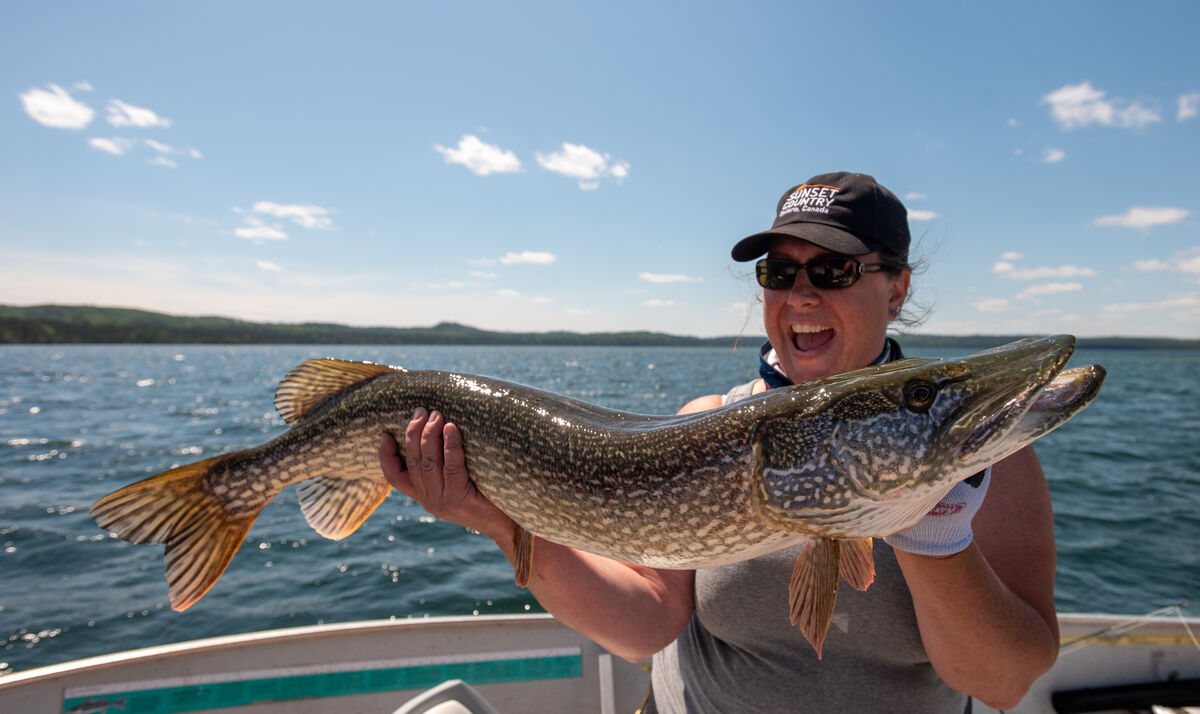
column 545, row 166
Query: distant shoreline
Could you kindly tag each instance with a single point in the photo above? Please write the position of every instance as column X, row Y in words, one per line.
column 82, row 324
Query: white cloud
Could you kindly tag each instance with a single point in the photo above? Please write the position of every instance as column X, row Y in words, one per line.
column 508, row 293
column 531, row 257
column 919, row 215
column 258, row 231
column 84, row 86
column 1078, row 105
column 1012, row 255
column 913, row 196
column 659, row 303
column 1143, row 217
column 575, row 160
column 1176, row 301
column 56, row 108
column 480, row 159
column 119, row 145
column 668, row 278
column 122, row 114
column 1048, row 289
column 1185, row 261
column 305, row 216
column 1012, row 272
column 580, row 162
column 268, row 266
column 1189, row 106
column 1053, row 156
column 991, row 305
column 482, row 275
column 115, row 146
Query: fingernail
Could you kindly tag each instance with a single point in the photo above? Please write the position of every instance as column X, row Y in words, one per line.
column 418, row 413
column 435, row 415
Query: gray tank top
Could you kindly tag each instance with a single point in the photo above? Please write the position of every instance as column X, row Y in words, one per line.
column 739, row 653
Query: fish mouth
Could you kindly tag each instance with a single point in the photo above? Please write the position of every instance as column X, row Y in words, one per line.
column 1035, row 395
column 1065, row 396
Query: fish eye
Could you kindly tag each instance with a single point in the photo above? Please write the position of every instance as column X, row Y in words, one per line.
column 919, row 394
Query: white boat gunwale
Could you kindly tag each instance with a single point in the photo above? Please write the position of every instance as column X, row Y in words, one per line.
column 574, row 674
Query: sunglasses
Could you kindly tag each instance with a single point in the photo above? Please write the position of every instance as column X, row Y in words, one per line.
column 827, row 272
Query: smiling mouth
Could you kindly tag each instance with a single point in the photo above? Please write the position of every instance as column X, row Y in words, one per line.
column 806, row 338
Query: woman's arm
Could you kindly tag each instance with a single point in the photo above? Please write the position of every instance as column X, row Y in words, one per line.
column 986, row 614
column 631, row 611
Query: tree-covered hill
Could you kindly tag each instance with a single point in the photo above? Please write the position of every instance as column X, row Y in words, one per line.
column 100, row 325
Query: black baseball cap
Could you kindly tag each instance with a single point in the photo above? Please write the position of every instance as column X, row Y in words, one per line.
column 843, row 212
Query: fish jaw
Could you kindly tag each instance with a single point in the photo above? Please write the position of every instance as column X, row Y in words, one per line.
column 888, row 442
column 1065, row 396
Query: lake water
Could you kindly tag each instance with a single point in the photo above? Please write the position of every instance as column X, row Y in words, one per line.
column 77, row 422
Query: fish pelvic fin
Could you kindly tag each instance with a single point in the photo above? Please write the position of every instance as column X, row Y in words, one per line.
column 174, row 509
column 312, row 382
column 336, row 507
column 812, row 592
column 523, row 556
column 857, row 563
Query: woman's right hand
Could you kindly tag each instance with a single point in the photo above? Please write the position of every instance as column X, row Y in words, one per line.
column 436, row 475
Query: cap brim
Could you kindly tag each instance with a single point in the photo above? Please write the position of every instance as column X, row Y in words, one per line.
column 826, row 237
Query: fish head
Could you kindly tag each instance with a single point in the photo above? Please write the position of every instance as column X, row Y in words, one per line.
column 892, row 439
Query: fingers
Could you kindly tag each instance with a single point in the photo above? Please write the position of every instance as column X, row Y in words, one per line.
column 394, row 470
column 431, row 469
column 437, row 482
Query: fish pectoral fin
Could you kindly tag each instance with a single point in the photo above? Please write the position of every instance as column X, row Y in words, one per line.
column 523, row 556
column 336, row 507
column 857, row 563
column 812, row 592
column 315, row 380
column 174, row 508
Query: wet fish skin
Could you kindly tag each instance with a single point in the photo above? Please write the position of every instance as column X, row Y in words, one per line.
column 831, row 462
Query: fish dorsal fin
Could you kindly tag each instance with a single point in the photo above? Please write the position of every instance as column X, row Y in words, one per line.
column 812, row 592
column 315, row 380
column 336, row 507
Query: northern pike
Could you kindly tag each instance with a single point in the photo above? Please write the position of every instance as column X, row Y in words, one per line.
column 832, row 462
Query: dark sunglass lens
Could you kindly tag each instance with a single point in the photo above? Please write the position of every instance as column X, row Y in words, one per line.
column 831, row 271
column 775, row 274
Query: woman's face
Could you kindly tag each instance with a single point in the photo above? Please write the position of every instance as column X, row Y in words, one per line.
column 816, row 332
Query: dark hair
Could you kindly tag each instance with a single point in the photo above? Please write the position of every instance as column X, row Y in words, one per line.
column 911, row 313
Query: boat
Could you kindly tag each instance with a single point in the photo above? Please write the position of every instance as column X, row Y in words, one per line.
column 513, row 664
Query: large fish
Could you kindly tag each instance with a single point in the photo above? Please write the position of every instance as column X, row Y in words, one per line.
column 832, row 462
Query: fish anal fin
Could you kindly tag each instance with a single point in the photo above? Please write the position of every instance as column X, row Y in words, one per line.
column 812, row 592
column 336, row 507
column 523, row 556
column 315, row 380
column 857, row 563
column 174, row 508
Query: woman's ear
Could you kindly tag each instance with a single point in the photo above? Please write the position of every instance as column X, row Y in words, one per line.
column 898, row 292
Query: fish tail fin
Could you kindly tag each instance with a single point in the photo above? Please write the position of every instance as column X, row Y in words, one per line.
column 174, row 509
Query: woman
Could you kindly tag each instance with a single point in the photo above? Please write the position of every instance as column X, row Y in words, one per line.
column 963, row 602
